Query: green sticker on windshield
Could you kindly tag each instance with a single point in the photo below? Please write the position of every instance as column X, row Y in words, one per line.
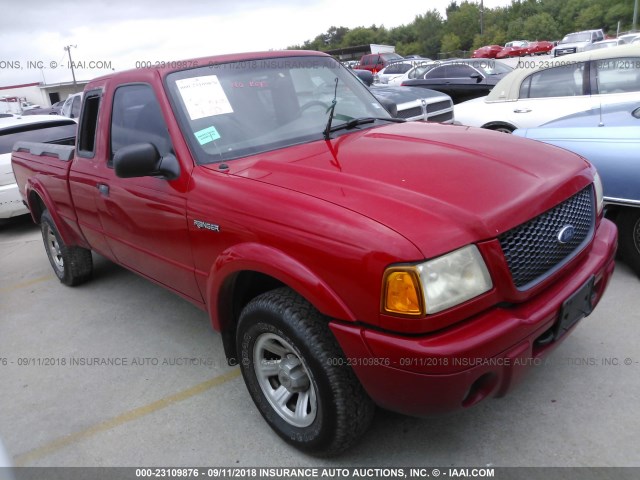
column 207, row 135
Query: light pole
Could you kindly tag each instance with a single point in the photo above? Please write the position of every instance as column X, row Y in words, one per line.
column 482, row 16
column 635, row 15
column 68, row 49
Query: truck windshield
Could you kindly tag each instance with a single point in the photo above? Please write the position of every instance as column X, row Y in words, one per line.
column 576, row 37
column 232, row 110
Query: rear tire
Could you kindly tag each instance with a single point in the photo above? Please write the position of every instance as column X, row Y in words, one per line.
column 297, row 375
column 72, row 265
column 629, row 226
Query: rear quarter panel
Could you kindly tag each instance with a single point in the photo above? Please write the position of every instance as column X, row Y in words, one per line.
column 47, row 177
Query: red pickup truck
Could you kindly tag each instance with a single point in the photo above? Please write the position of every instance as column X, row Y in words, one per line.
column 348, row 259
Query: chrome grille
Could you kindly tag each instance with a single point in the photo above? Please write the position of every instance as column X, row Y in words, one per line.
column 434, row 107
column 565, row 51
column 410, row 112
column 442, row 117
column 533, row 250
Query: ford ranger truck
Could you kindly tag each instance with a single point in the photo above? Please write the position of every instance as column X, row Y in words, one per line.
column 347, row 258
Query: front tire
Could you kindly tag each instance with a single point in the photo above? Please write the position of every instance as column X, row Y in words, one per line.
column 629, row 226
column 297, row 376
column 72, row 265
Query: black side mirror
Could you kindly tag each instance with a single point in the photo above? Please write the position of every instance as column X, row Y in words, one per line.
column 143, row 160
column 365, row 75
column 477, row 76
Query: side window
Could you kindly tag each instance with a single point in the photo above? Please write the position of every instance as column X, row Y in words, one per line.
column 66, row 107
column 619, row 75
column 88, row 125
column 439, row 72
column 75, row 107
column 560, row 81
column 459, row 71
column 136, row 118
column 392, row 69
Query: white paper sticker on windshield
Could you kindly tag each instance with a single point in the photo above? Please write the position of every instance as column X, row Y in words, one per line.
column 203, row 97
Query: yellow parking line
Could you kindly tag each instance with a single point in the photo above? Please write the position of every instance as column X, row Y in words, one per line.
column 26, row 284
column 59, row 443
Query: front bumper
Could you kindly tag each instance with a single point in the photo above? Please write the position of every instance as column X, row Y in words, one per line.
column 481, row 357
column 11, row 202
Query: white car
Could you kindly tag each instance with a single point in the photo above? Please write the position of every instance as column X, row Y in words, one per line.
column 628, row 38
column 71, row 106
column 398, row 69
column 415, row 72
column 32, row 128
column 604, row 44
column 529, row 97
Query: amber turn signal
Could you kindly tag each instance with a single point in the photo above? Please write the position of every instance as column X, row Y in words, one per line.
column 402, row 292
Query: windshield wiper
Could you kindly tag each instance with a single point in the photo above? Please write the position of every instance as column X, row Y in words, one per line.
column 354, row 122
column 332, row 108
column 363, row 121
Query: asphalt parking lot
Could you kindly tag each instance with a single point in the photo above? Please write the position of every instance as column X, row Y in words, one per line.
column 169, row 399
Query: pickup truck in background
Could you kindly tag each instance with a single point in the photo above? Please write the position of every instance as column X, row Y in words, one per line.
column 348, row 259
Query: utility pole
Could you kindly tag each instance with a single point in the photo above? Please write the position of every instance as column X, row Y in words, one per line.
column 482, row 16
column 635, row 15
column 68, row 49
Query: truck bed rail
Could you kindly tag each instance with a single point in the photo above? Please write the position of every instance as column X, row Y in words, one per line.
column 63, row 152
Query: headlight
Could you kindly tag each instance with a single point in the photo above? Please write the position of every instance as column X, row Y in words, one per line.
column 597, row 185
column 435, row 285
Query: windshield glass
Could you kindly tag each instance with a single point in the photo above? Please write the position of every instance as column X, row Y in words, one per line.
column 237, row 109
column 576, row 37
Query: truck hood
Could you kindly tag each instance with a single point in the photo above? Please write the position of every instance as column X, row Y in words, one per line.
column 441, row 187
column 400, row 94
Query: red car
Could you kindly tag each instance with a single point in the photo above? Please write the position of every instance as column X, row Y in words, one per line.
column 514, row 51
column 488, row 51
column 349, row 259
column 374, row 62
column 539, row 48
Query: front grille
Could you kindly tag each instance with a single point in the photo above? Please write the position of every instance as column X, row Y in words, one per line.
column 443, row 117
column 410, row 112
column 434, row 107
column 533, row 250
column 565, row 51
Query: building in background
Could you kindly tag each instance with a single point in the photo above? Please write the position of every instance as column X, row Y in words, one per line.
column 16, row 98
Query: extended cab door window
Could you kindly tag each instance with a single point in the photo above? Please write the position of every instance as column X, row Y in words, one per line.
column 86, row 146
column 137, row 118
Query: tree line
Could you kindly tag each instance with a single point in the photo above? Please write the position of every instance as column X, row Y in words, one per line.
column 460, row 29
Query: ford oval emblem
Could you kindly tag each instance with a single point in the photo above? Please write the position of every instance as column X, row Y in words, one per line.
column 566, row 234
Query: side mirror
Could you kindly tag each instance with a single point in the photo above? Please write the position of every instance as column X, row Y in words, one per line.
column 365, row 75
column 143, row 160
column 477, row 76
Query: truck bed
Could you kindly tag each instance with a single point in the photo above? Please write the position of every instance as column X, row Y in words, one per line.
column 45, row 167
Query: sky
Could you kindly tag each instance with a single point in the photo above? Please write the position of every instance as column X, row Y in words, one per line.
column 119, row 35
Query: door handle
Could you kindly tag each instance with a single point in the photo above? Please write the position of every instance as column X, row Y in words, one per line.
column 522, row 110
column 103, row 189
